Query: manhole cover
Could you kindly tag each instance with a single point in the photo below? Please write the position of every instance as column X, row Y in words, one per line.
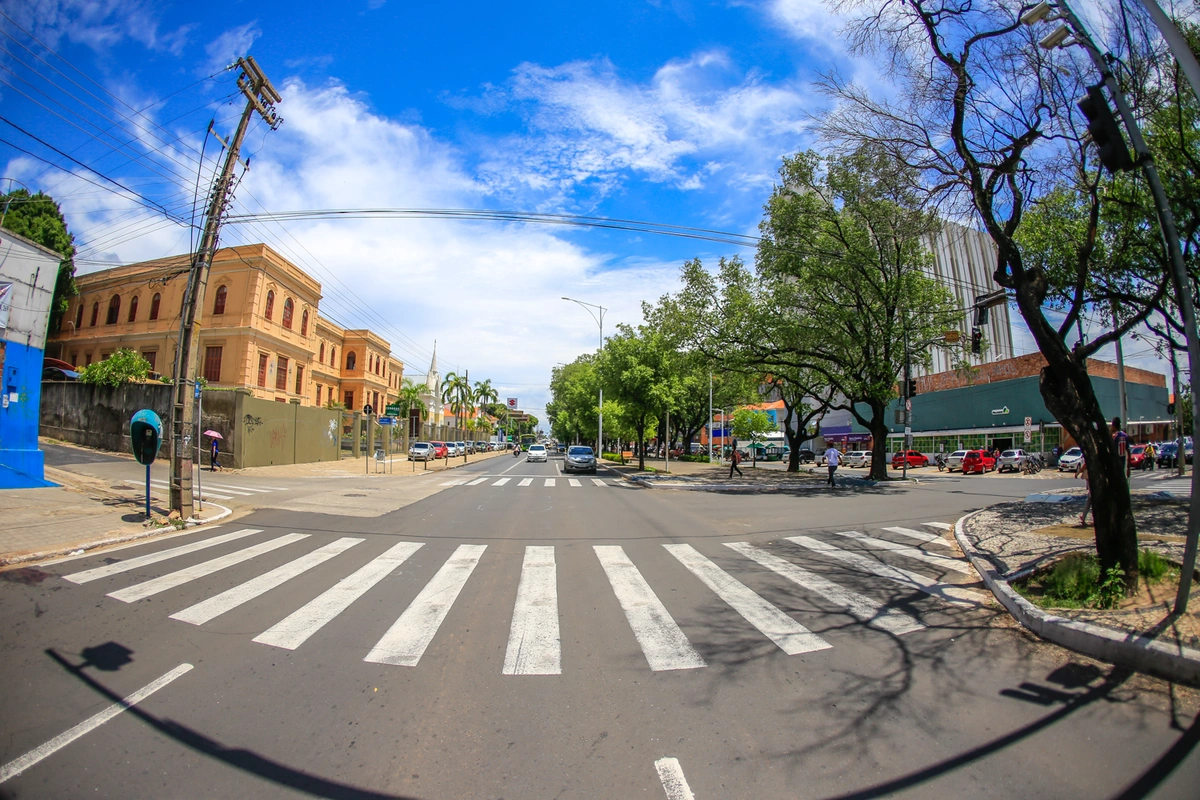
column 354, row 495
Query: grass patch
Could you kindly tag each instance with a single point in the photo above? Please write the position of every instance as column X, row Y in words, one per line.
column 1075, row 581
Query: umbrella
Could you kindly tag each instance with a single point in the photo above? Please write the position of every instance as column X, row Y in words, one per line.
column 213, row 435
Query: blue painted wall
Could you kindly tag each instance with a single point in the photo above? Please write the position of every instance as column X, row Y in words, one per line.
column 22, row 464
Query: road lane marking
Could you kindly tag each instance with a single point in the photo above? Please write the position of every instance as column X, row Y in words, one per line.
column 502, row 481
column 205, row 486
column 866, row 609
column 164, row 486
column 673, row 781
column 153, row 558
column 476, row 482
column 574, row 482
column 910, row 552
column 525, row 481
column 534, row 644
column 227, row 488
column 660, row 638
column 549, row 481
column 15, row 767
column 921, row 536
column 217, row 605
column 171, row 580
column 454, row 483
column 941, row 526
column 914, row 580
column 405, row 642
column 292, row 631
column 599, row 482
column 791, row 637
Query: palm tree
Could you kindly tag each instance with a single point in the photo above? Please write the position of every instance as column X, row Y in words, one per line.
column 456, row 390
column 410, row 400
column 485, row 393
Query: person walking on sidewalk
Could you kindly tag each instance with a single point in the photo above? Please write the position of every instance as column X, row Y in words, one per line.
column 1081, row 471
column 735, row 458
column 831, row 460
column 216, row 454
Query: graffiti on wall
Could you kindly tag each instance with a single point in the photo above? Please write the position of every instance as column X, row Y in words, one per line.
column 279, row 435
column 251, row 422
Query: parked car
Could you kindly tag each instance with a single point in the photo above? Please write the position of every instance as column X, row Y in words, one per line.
column 1070, row 460
column 537, row 452
column 857, row 458
column 807, row 456
column 1137, row 457
column 421, row 451
column 955, row 459
column 1011, row 460
column 52, row 373
column 440, row 449
column 915, row 458
column 580, row 459
column 1167, row 454
column 980, row 461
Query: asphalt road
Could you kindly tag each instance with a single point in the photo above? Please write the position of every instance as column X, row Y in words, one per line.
column 508, row 638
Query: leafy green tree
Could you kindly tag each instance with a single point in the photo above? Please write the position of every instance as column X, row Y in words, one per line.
column 634, row 369
column 457, row 392
column 39, row 219
column 409, row 400
column 574, row 390
column 751, row 424
column 122, row 367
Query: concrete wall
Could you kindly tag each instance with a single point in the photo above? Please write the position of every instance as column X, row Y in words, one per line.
column 255, row 432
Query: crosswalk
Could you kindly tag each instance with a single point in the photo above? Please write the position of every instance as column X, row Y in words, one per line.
column 815, row 565
column 526, row 482
column 1180, row 487
column 207, row 490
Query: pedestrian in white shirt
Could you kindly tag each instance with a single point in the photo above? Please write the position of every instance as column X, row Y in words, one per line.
column 831, row 460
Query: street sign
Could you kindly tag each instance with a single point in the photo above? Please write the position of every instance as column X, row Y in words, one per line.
column 908, row 404
column 392, row 409
column 197, row 394
column 1028, row 430
column 368, row 410
column 386, row 421
column 512, row 403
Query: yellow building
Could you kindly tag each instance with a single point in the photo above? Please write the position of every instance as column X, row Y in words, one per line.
column 260, row 329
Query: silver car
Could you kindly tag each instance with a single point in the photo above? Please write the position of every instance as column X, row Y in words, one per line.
column 421, row 451
column 954, row 460
column 858, row 458
column 1011, row 459
column 580, row 459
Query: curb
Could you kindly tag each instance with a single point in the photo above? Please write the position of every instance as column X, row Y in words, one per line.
column 1180, row 664
column 79, row 549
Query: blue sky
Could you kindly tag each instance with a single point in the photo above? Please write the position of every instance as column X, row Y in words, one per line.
column 672, row 112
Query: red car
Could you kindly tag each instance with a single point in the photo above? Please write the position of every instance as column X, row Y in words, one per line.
column 1137, row 457
column 979, row 461
column 440, row 450
column 915, row 459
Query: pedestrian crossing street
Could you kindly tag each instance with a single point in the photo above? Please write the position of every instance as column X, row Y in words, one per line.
column 521, row 483
column 535, row 637
column 208, row 491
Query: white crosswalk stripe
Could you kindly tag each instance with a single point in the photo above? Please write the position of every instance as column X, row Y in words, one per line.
column 920, row 536
column 214, row 607
column 153, row 558
column 534, row 644
column 165, row 487
column 1181, row 487
column 915, row 580
column 941, row 526
column 909, row 552
column 502, row 481
column 599, row 482
column 661, row 640
column 295, row 629
column 861, row 606
column 791, row 637
column 525, row 481
column 549, row 482
column 476, row 482
column 574, row 482
column 405, row 642
column 188, row 574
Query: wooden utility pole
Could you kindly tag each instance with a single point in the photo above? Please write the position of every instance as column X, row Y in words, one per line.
column 261, row 97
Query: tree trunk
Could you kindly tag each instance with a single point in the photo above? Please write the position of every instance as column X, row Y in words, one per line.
column 794, row 440
column 879, row 430
column 641, row 434
column 1069, row 396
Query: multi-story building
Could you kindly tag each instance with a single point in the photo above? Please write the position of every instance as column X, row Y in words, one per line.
column 260, row 329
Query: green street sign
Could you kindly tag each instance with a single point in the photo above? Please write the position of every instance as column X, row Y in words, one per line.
column 393, row 409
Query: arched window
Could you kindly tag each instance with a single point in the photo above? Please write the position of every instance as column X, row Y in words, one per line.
column 95, row 314
column 321, row 358
column 133, row 308
column 114, row 310
column 219, row 303
column 304, row 323
column 333, row 356
column 79, row 315
column 350, row 360
column 288, row 308
column 154, row 301
column 270, row 309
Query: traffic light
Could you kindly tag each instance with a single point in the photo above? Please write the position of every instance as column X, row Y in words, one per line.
column 976, row 340
column 1171, row 404
column 912, row 388
column 1105, row 131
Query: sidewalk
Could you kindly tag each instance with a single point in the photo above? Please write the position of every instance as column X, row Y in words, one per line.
column 1008, row 541
column 79, row 514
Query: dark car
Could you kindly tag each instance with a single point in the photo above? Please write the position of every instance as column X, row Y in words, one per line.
column 53, row 373
column 980, row 461
column 806, row 456
column 1168, row 454
column 580, row 459
column 915, row 458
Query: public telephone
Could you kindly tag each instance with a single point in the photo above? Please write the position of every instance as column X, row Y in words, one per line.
column 145, row 435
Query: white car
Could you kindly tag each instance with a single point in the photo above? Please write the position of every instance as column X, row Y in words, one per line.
column 537, row 452
column 954, row 460
column 858, row 458
column 1070, row 459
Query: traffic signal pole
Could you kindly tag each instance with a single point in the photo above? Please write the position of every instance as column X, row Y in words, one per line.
column 260, row 97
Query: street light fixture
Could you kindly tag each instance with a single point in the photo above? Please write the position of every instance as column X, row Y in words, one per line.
column 600, row 409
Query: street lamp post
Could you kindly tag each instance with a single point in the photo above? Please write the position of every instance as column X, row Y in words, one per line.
column 600, row 410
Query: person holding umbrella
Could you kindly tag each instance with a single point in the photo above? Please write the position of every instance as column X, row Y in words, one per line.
column 216, row 449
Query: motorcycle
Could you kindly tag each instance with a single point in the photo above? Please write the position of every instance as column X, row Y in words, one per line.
column 941, row 462
column 516, row 452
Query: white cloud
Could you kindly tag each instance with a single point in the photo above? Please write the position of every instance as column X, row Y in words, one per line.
column 98, row 24
column 230, row 45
